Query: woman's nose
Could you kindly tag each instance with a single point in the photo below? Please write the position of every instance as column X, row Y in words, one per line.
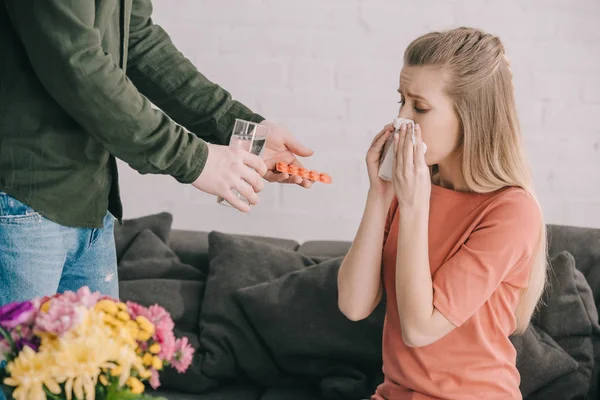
column 405, row 114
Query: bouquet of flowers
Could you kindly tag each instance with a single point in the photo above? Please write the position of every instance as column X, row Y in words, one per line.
column 86, row 346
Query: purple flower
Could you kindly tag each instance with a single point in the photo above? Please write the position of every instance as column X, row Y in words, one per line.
column 15, row 314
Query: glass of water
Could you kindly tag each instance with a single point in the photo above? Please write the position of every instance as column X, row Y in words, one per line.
column 248, row 136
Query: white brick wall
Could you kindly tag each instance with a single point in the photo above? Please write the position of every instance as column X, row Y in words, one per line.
column 328, row 69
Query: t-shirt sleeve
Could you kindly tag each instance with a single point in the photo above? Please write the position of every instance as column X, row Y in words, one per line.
column 504, row 240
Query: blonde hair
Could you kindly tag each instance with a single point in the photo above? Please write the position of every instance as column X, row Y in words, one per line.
column 480, row 86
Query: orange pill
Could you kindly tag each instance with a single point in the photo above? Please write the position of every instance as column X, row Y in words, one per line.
column 325, row 178
column 293, row 170
column 281, row 167
column 313, row 175
column 303, row 172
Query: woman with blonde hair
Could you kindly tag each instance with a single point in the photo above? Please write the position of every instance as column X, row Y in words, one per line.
column 457, row 239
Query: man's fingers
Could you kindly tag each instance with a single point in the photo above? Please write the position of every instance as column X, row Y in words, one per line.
column 254, row 162
column 276, row 177
column 233, row 199
column 298, row 148
column 247, row 191
column 253, row 179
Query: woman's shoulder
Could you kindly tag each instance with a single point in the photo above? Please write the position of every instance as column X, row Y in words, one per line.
column 515, row 200
column 514, row 207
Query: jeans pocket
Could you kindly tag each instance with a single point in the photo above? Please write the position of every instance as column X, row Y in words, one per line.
column 13, row 210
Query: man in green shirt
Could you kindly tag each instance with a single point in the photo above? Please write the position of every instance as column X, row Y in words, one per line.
column 77, row 83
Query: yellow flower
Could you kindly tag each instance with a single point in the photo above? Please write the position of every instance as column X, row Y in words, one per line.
column 135, row 385
column 123, row 316
column 145, row 325
column 112, row 321
column 29, row 373
column 122, row 306
column 145, row 374
column 82, row 354
column 103, row 380
column 147, row 359
column 133, row 328
column 108, row 306
column 157, row 363
column 46, row 306
column 155, row 348
column 143, row 336
column 116, row 371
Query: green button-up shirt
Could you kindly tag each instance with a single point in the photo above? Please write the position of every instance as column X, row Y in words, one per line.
column 77, row 82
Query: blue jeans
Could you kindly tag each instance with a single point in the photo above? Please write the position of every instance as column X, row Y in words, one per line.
column 39, row 257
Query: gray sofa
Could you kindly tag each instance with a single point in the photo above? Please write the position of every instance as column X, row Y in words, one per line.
column 262, row 315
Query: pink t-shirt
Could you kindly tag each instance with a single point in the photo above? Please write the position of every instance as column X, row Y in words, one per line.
column 480, row 251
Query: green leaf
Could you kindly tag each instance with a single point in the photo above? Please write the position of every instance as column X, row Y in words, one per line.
column 8, row 339
column 116, row 393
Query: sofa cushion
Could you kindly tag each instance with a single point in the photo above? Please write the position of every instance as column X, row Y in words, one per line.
column 312, row 337
column 227, row 393
column 584, row 245
column 569, row 317
column 309, row 297
column 160, row 224
column 192, row 247
column 540, row 360
column 229, row 347
column 324, row 248
column 148, row 257
column 151, row 273
column 182, row 299
column 292, row 392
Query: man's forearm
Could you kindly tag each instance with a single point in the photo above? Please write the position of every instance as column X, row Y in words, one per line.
column 175, row 85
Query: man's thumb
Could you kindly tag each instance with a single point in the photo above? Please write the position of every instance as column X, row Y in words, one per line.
column 298, row 148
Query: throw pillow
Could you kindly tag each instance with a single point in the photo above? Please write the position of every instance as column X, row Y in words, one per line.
column 540, row 360
column 150, row 273
column 181, row 298
column 298, row 318
column 160, row 224
column 313, row 337
column 148, row 257
column 569, row 316
column 229, row 346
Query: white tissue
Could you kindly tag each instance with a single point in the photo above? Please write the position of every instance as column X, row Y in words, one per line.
column 386, row 164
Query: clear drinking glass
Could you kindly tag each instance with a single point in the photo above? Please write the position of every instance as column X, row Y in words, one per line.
column 248, row 136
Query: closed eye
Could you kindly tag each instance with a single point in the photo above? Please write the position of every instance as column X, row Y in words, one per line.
column 417, row 109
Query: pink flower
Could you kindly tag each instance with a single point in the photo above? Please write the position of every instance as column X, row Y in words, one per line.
column 163, row 326
column 63, row 313
column 82, row 297
column 161, row 318
column 154, row 379
column 136, row 310
column 166, row 339
column 183, row 355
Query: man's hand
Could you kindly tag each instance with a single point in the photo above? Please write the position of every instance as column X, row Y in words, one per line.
column 228, row 168
column 283, row 147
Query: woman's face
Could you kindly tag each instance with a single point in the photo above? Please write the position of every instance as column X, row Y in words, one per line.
column 424, row 100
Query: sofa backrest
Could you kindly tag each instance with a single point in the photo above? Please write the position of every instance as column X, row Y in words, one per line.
column 582, row 243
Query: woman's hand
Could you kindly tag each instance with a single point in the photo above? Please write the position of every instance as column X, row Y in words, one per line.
column 411, row 178
column 379, row 187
